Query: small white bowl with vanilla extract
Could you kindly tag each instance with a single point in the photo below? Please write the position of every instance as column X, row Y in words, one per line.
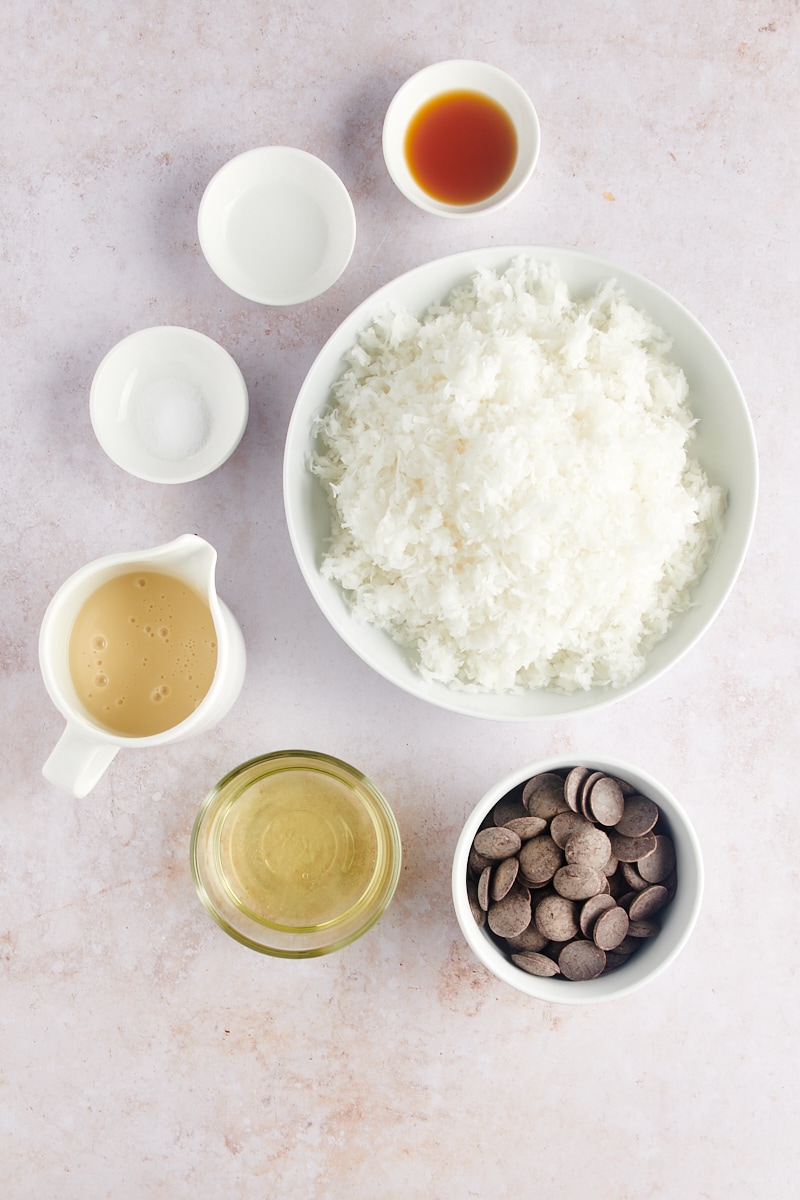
column 461, row 138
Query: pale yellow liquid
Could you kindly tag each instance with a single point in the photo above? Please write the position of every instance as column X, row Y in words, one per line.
column 297, row 848
column 142, row 653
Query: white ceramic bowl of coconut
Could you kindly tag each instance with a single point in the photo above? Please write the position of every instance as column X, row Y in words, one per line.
column 520, row 482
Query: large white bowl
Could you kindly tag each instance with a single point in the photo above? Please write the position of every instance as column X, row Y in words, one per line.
column 725, row 445
column 678, row 919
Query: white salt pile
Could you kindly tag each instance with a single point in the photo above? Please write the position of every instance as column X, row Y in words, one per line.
column 512, row 493
column 171, row 418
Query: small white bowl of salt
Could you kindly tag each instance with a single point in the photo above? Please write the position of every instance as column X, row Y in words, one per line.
column 168, row 404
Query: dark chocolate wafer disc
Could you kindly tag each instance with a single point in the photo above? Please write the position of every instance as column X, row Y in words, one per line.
column 585, row 792
column 507, row 808
column 526, row 827
column 535, row 964
column 606, row 803
column 588, row 846
column 615, row 959
column 505, row 873
column 632, row 877
column 476, row 863
column 591, row 910
column 529, row 939
column 512, row 914
column 539, row 859
column 573, row 786
column 643, row 929
column 648, row 902
column 659, row 864
column 639, row 816
column 610, row 928
column 483, row 888
column 497, row 842
column 543, row 796
column 563, row 824
column 577, row 882
column 632, row 849
column 557, row 917
column 581, row 960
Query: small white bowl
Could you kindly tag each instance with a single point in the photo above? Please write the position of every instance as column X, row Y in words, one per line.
column 677, row 919
column 277, row 225
column 168, row 404
column 460, row 75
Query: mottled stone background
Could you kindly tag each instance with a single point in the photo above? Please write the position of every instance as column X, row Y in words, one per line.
column 143, row 1055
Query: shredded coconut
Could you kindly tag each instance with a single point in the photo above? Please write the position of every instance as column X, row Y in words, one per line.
column 511, row 491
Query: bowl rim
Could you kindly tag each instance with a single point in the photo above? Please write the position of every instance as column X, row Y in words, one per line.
column 304, row 500
column 630, row 977
column 472, row 75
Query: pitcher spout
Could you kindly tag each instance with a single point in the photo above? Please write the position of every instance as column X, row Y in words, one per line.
column 193, row 559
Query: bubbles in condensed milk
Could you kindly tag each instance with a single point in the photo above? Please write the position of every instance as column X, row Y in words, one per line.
column 130, row 647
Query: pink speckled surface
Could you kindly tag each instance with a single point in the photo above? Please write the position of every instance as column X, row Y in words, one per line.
column 143, row 1055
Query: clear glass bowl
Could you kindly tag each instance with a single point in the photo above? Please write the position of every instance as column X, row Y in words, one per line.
column 295, row 854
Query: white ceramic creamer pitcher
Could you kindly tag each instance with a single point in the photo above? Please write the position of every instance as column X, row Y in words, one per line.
column 85, row 748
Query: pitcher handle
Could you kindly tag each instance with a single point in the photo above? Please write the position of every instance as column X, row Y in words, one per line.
column 78, row 762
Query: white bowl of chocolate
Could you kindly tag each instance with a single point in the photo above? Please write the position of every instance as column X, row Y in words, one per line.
column 577, row 880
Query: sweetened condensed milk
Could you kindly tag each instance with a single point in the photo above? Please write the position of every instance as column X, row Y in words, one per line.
column 142, row 652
